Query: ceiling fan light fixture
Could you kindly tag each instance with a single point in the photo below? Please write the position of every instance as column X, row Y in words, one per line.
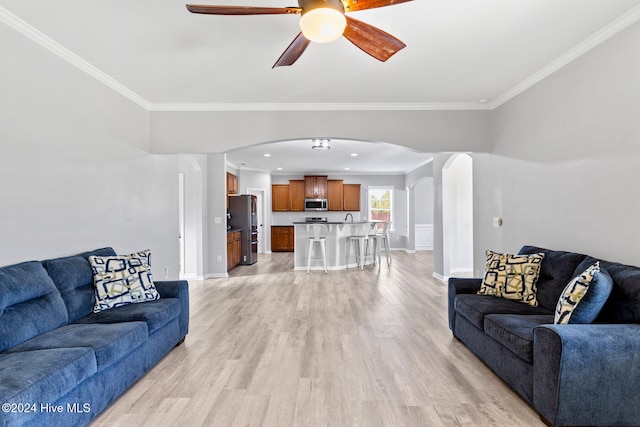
column 321, row 143
column 322, row 21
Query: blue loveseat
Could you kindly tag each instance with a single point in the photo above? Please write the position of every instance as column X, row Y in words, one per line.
column 572, row 374
column 60, row 363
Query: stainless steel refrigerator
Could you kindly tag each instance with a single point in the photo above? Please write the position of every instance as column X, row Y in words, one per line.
column 243, row 217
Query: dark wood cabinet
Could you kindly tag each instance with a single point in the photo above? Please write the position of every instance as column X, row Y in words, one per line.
column 282, row 239
column 280, row 197
column 335, row 195
column 296, row 195
column 351, row 197
column 232, row 183
column 234, row 249
column 315, row 187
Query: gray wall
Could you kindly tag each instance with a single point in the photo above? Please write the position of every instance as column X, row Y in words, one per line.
column 564, row 170
column 219, row 131
column 77, row 174
column 75, row 169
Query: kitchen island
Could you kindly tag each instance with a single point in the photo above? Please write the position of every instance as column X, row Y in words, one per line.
column 336, row 244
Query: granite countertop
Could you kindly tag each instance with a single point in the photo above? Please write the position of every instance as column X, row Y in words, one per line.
column 337, row 222
column 233, row 230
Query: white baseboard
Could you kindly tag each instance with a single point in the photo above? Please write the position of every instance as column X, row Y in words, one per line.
column 191, row 277
column 216, row 275
column 440, row 277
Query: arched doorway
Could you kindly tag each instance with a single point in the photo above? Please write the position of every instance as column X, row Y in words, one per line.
column 190, row 218
column 457, row 216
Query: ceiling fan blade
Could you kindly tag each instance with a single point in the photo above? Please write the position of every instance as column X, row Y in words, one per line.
column 293, row 52
column 372, row 40
column 354, row 5
column 242, row 10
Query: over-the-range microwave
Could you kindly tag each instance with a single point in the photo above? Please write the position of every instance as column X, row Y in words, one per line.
column 315, row 204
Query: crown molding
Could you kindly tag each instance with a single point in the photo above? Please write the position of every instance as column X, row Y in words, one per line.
column 342, row 106
column 30, row 32
column 585, row 46
column 590, row 43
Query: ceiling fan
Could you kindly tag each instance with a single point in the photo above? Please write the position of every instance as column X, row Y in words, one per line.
column 322, row 21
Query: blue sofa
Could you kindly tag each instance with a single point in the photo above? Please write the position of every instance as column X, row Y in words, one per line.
column 573, row 374
column 60, row 363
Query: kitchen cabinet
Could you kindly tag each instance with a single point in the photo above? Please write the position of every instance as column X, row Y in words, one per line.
column 232, row 183
column 296, row 195
column 282, row 239
column 315, row 187
column 234, row 249
column 335, row 194
column 351, row 197
column 280, row 197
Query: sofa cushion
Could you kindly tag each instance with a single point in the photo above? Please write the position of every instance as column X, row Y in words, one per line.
column 30, row 303
column 584, row 296
column 515, row 331
column 155, row 314
column 41, row 377
column 121, row 280
column 74, row 279
column 623, row 305
column 475, row 307
column 556, row 270
column 110, row 342
column 512, row 277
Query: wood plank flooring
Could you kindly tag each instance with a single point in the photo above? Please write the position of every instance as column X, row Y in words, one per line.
column 270, row 346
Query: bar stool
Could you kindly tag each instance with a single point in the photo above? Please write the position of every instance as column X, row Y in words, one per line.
column 360, row 239
column 381, row 240
column 320, row 237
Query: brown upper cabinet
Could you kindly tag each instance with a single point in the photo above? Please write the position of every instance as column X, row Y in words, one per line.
column 315, row 187
column 351, row 197
column 296, row 195
column 280, row 197
column 334, row 194
column 232, row 183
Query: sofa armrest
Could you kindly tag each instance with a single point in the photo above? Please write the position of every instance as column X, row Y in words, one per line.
column 587, row 374
column 457, row 286
column 177, row 289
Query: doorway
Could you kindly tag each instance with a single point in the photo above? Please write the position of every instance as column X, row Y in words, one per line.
column 457, row 216
column 190, row 194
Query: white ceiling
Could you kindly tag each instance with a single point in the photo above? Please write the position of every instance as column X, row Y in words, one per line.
column 459, row 54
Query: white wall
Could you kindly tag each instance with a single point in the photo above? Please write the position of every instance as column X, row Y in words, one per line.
column 75, row 173
column 564, row 173
column 424, row 201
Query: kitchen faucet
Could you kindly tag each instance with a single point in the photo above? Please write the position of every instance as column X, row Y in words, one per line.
column 348, row 215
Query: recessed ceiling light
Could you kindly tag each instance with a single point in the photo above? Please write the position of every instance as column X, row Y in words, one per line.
column 321, row 143
column 354, row 154
column 267, row 155
column 279, row 169
column 347, row 169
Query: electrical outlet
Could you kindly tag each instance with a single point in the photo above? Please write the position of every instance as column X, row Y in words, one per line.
column 166, row 272
column 219, row 258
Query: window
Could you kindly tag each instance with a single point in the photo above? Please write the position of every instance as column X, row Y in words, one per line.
column 381, row 204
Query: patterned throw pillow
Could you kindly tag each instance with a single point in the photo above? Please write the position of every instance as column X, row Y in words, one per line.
column 512, row 277
column 584, row 296
column 122, row 279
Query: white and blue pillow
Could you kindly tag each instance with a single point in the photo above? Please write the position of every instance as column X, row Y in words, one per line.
column 122, row 279
column 584, row 296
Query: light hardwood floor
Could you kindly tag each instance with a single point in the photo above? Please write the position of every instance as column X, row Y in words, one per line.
column 270, row 346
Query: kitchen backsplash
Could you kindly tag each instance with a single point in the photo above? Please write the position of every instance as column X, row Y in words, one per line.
column 288, row 218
